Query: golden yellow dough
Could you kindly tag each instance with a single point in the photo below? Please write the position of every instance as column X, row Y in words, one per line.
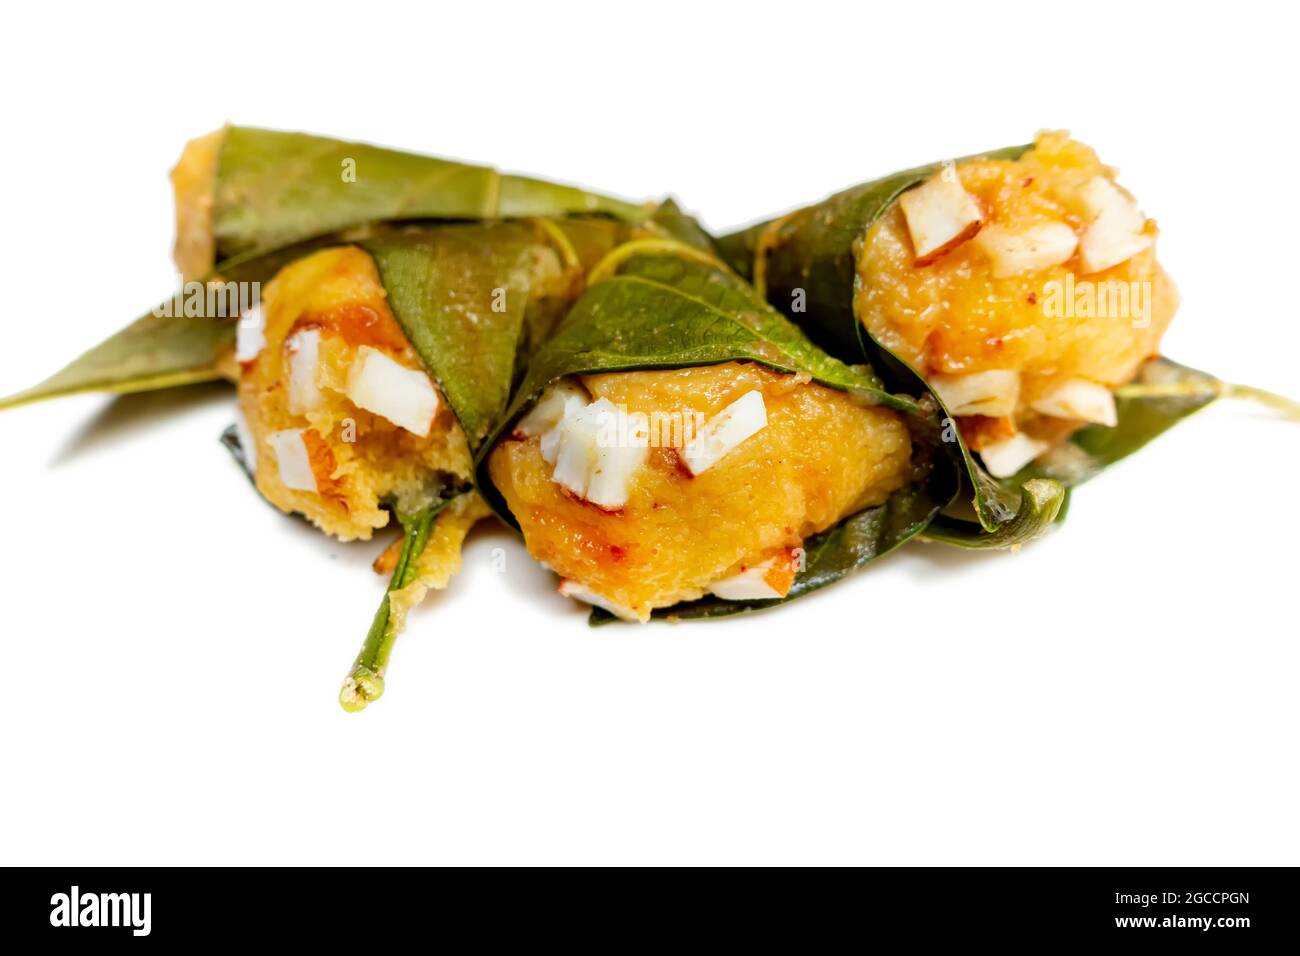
column 822, row 456
column 954, row 317
column 194, row 182
column 358, row 459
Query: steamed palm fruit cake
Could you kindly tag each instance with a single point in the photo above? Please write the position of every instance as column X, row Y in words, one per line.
column 1024, row 291
column 703, row 480
column 340, row 412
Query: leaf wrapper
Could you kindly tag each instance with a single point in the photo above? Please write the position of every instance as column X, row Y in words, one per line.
column 276, row 188
column 664, row 305
column 474, row 299
column 277, row 196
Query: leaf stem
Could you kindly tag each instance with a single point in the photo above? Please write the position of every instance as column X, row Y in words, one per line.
column 365, row 683
column 608, row 266
column 1279, row 403
column 1194, row 389
column 1218, row 389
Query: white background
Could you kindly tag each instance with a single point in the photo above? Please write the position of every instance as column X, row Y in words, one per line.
column 1123, row 692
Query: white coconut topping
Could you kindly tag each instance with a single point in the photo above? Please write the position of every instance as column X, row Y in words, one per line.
column 993, row 393
column 1027, row 250
column 940, row 214
column 1079, row 400
column 593, row 457
column 550, row 440
column 1102, row 197
column 572, row 589
column 292, row 459
column 575, row 444
column 404, row 396
column 723, row 432
column 611, row 480
column 303, row 351
column 1116, row 231
column 1004, row 458
column 548, row 411
column 747, row 585
column 250, row 335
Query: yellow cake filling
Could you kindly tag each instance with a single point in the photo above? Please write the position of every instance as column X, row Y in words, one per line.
column 340, row 408
column 820, row 456
column 1024, row 290
column 193, row 182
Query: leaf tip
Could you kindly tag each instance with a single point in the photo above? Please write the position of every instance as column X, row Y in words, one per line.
column 1043, row 497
